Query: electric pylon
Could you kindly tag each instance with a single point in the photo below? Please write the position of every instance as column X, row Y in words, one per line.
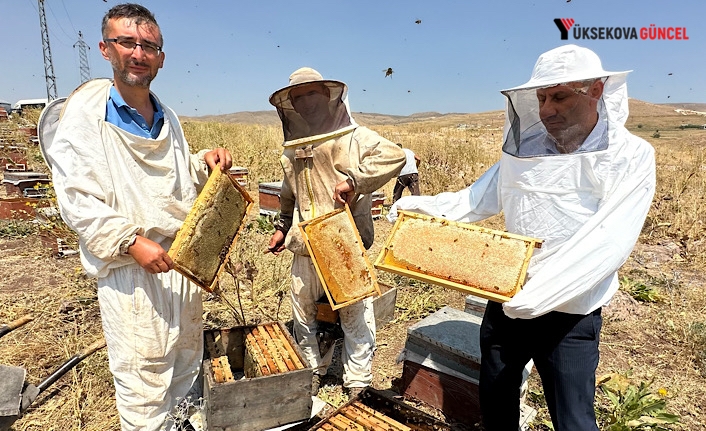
column 48, row 64
column 83, row 58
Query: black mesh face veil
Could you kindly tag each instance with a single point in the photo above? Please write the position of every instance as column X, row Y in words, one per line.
column 565, row 125
column 312, row 110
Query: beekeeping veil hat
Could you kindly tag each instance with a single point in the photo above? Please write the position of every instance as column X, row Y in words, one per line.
column 312, row 108
column 575, row 67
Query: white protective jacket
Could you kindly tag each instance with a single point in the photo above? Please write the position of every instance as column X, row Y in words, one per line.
column 111, row 184
column 588, row 207
column 313, row 164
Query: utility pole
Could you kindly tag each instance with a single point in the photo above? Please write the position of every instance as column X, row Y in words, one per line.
column 48, row 64
column 83, row 58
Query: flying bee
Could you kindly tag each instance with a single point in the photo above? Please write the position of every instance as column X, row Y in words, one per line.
column 388, row 72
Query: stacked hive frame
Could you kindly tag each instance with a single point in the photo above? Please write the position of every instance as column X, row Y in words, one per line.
column 358, row 416
column 373, row 410
column 267, row 351
column 246, row 397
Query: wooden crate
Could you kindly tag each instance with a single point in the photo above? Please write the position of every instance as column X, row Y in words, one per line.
column 339, row 258
column 383, row 307
column 203, row 245
column 240, row 398
column 430, row 249
column 268, row 195
column 372, row 410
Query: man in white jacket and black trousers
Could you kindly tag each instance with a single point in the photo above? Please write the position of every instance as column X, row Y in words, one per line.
column 125, row 181
column 572, row 175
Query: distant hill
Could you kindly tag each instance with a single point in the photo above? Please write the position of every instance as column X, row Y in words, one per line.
column 363, row 118
column 639, row 110
column 698, row 107
column 244, row 117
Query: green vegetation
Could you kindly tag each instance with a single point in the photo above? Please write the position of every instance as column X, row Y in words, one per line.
column 633, row 408
column 640, row 291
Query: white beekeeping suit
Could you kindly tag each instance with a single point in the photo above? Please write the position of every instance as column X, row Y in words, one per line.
column 588, row 205
column 323, row 148
column 111, row 184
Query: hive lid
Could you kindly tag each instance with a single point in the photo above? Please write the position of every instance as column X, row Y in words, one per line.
column 484, row 262
column 339, row 257
column 205, row 241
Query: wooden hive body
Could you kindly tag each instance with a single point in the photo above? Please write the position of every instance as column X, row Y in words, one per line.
column 255, row 378
column 268, row 197
column 240, row 174
column 339, row 257
column 442, row 363
column 206, row 239
column 484, row 262
column 372, row 410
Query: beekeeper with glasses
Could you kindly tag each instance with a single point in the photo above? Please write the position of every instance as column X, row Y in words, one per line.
column 571, row 174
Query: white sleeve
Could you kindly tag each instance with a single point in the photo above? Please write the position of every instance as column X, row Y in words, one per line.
column 78, row 174
column 478, row 201
column 597, row 250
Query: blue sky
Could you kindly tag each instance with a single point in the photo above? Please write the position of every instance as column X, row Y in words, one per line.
column 228, row 56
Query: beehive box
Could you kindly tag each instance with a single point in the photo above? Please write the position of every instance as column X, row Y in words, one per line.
column 240, row 174
column 378, row 201
column 19, row 182
column 372, row 410
column 339, row 257
column 21, row 208
column 13, row 157
column 442, row 363
column 483, row 262
column 204, row 243
column 268, row 197
column 255, row 378
column 383, row 307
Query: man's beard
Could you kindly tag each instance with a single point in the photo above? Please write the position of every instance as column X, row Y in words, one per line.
column 131, row 80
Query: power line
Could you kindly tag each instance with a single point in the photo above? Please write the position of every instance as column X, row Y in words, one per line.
column 68, row 16
column 58, row 22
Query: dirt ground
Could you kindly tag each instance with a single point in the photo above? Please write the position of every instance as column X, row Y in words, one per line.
column 644, row 338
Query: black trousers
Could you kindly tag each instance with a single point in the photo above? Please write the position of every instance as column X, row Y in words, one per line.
column 410, row 181
column 564, row 348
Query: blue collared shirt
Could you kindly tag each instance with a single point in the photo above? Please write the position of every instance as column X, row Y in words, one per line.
column 127, row 118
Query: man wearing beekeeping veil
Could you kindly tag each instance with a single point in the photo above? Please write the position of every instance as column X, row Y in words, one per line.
column 572, row 175
column 328, row 160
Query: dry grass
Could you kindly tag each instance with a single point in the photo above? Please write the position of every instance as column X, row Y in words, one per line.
column 664, row 341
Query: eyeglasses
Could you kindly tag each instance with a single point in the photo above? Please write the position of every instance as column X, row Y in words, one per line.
column 127, row 43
